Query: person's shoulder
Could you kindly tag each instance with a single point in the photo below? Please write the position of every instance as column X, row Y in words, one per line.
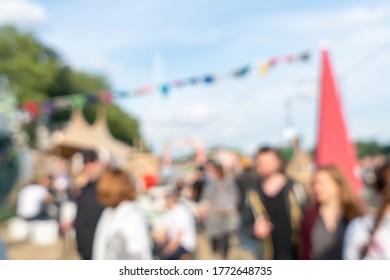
column 361, row 223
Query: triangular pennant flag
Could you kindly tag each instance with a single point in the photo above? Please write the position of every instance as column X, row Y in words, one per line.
column 305, row 56
column 77, row 100
column 273, row 61
column 334, row 145
column 49, row 108
column 91, row 99
column 242, row 71
column 32, row 108
column 209, row 79
column 106, row 97
column 165, row 90
column 264, row 68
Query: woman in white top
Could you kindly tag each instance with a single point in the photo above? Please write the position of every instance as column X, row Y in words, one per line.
column 122, row 232
column 368, row 237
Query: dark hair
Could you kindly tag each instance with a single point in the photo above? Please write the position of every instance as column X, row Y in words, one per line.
column 276, row 152
column 89, row 156
column 382, row 186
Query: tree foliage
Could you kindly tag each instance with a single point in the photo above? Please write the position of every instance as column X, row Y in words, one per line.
column 36, row 72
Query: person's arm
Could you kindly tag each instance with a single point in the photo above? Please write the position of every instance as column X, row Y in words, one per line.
column 173, row 244
column 354, row 238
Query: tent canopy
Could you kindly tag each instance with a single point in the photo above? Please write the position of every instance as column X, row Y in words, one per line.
column 80, row 135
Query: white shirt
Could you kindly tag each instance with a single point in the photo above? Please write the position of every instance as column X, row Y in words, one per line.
column 181, row 219
column 358, row 234
column 122, row 233
column 30, row 200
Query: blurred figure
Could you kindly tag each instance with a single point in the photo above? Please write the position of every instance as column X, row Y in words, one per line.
column 3, row 251
column 34, row 198
column 368, row 237
column 275, row 203
column 62, row 180
column 177, row 239
column 246, row 179
column 218, row 208
column 199, row 183
column 88, row 207
column 122, row 231
column 324, row 224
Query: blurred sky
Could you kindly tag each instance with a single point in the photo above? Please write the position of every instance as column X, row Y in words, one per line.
column 136, row 43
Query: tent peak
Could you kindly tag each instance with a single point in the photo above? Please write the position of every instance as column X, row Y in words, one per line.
column 325, row 45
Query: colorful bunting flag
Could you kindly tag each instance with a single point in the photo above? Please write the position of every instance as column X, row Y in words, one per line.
column 165, row 89
column 106, row 97
column 32, row 108
column 49, row 108
column 242, row 71
column 78, row 100
column 264, row 68
column 209, row 79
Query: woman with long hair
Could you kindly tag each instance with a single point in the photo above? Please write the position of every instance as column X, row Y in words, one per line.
column 122, row 232
column 335, row 204
column 369, row 237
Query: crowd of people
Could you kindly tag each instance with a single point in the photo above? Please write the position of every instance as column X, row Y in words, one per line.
column 273, row 216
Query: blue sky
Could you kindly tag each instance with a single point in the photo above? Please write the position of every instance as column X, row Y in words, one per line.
column 136, row 43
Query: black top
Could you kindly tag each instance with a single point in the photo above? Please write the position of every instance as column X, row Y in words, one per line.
column 88, row 214
column 198, row 187
column 244, row 181
column 281, row 234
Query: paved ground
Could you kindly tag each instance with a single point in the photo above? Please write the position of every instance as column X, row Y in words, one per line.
column 65, row 249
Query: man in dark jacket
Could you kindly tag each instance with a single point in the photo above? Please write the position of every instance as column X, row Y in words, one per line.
column 88, row 207
column 275, row 203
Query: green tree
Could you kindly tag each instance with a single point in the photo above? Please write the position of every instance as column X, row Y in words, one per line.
column 36, row 72
column 28, row 65
column 366, row 148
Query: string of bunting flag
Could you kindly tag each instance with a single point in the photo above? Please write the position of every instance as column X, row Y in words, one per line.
column 52, row 105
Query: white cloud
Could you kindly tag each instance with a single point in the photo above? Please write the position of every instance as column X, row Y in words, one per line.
column 21, row 12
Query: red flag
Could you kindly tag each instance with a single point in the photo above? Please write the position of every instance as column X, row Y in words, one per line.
column 334, row 145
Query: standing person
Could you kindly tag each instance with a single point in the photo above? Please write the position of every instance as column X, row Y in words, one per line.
column 218, row 207
column 122, row 232
column 367, row 237
column 276, row 203
column 177, row 239
column 88, row 207
column 324, row 224
column 34, row 199
column 246, row 179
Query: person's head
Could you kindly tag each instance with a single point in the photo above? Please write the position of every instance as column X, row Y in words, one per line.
column 216, row 170
column 45, row 180
column 171, row 198
column 331, row 186
column 268, row 161
column 115, row 186
column 382, row 181
column 93, row 167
